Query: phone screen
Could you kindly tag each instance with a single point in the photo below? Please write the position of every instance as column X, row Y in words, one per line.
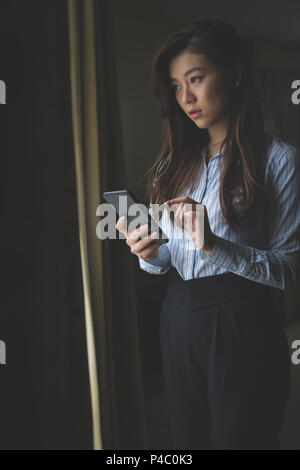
column 113, row 198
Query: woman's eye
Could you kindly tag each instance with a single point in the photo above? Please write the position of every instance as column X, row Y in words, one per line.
column 200, row 78
column 192, row 79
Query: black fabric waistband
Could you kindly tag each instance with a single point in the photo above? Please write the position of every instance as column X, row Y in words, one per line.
column 216, row 288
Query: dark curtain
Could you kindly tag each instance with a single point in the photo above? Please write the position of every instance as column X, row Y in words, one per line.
column 45, row 401
column 110, row 310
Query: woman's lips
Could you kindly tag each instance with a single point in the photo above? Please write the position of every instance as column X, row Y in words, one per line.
column 196, row 114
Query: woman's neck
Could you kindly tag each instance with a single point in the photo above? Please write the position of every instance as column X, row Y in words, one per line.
column 211, row 151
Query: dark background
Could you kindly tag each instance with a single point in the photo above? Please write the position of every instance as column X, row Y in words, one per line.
column 44, row 388
column 44, row 385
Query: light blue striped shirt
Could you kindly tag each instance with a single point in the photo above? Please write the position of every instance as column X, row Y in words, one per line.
column 267, row 252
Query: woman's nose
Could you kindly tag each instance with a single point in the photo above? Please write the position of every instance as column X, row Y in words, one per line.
column 187, row 96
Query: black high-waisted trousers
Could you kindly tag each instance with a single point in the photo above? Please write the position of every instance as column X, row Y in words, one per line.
column 226, row 363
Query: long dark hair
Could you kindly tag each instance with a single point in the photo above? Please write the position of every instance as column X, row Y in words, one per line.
column 183, row 142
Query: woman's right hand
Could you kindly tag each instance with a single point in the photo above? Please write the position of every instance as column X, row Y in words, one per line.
column 139, row 247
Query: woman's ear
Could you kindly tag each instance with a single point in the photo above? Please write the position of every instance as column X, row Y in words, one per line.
column 238, row 79
column 237, row 75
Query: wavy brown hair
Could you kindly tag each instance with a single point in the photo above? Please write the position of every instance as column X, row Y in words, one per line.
column 245, row 146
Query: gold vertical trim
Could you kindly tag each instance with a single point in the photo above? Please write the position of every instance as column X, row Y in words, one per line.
column 89, row 110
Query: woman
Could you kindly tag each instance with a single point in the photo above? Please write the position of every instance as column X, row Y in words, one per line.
column 225, row 355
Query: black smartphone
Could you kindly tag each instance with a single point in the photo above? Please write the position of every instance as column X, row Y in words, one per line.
column 122, row 208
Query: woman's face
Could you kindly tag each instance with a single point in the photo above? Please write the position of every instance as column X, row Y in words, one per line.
column 198, row 84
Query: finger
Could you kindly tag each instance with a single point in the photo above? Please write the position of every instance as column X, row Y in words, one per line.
column 122, row 225
column 189, row 222
column 135, row 235
column 179, row 215
column 185, row 208
column 140, row 245
column 149, row 252
column 195, row 223
column 177, row 200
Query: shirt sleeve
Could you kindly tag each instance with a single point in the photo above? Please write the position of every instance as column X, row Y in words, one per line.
column 159, row 265
column 278, row 266
column 162, row 263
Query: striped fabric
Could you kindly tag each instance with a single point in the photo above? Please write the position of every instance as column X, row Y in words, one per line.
column 267, row 252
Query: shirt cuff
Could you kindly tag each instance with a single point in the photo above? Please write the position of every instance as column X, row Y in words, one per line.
column 158, row 265
column 151, row 268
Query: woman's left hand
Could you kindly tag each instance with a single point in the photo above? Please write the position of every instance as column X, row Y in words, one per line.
column 192, row 216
